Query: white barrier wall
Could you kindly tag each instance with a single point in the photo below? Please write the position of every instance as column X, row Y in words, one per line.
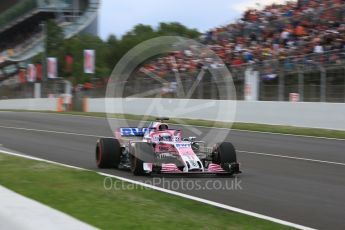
column 218, row 110
column 30, row 104
column 303, row 114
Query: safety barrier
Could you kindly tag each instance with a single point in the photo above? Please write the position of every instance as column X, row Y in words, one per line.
column 302, row 114
column 47, row 104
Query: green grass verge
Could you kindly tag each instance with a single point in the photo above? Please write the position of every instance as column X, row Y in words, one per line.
column 81, row 194
column 239, row 126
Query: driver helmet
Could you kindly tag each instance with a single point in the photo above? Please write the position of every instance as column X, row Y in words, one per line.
column 163, row 127
column 165, row 137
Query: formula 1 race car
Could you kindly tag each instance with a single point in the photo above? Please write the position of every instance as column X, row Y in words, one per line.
column 160, row 150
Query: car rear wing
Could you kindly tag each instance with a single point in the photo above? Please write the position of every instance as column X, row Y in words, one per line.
column 132, row 132
column 129, row 134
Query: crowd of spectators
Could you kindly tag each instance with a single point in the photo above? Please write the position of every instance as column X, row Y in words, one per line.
column 303, row 31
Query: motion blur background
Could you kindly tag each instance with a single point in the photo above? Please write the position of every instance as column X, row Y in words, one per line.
column 293, row 50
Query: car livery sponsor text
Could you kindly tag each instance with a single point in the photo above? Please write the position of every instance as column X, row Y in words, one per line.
column 183, row 145
column 133, row 131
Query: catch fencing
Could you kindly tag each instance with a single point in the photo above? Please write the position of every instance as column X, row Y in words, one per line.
column 315, row 78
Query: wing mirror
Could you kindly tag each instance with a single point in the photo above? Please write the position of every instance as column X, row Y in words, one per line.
column 191, row 139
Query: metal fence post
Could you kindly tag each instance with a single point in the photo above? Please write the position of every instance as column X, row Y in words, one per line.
column 281, row 86
column 301, row 84
column 200, row 90
column 260, row 89
column 344, row 84
column 44, row 53
column 214, row 90
column 322, row 84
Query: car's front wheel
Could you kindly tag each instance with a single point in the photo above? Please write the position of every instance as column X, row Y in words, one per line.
column 141, row 153
column 224, row 154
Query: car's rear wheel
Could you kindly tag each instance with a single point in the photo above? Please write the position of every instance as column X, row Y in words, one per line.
column 141, row 152
column 108, row 153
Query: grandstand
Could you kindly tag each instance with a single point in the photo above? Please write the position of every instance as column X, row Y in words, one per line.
column 22, row 31
column 21, row 24
column 298, row 46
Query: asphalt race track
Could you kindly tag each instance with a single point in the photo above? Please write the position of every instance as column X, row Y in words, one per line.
column 308, row 189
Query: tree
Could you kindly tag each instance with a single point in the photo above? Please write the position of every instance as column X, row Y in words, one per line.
column 55, row 37
column 177, row 29
column 114, row 53
column 76, row 45
column 108, row 52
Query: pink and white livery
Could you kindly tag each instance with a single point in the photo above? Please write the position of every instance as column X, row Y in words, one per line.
column 161, row 150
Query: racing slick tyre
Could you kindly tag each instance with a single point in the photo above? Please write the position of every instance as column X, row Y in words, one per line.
column 108, row 153
column 140, row 153
column 224, row 154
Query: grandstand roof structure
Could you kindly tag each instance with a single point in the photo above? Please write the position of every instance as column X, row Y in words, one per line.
column 21, row 21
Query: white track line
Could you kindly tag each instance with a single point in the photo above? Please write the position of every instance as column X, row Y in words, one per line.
column 39, row 159
column 51, row 131
column 263, row 132
column 294, row 135
column 199, row 126
column 20, row 212
column 216, row 204
column 294, row 158
column 243, row 151
column 212, row 203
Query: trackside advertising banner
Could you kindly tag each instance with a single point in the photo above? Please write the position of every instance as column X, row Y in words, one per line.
column 31, row 73
column 52, row 67
column 89, row 61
